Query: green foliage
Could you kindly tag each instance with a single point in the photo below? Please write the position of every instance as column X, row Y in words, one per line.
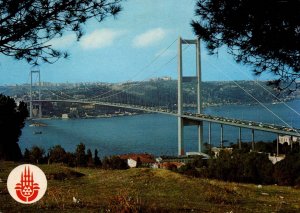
column 97, row 161
column 26, row 156
column 71, row 159
column 12, row 120
column 138, row 162
column 57, row 154
column 27, row 26
column 89, row 158
column 287, row 171
column 114, row 162
column 34, row 155
column 257, row 168
column 238, row 167
column 266, row 33
column 80, row 155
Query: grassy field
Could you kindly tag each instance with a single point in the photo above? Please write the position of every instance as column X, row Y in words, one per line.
column 146, row 190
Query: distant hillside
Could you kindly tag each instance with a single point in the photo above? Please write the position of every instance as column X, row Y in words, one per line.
column 158, row 92
column 153, row 93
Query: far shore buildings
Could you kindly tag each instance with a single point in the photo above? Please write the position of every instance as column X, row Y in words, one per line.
column 65, row 116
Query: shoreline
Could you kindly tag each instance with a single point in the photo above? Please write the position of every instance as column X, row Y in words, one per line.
column 142, row 112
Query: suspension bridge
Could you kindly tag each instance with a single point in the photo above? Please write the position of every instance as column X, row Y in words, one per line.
column 185, row 118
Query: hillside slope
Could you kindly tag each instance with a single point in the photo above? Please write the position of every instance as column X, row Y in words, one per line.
column 148, row 190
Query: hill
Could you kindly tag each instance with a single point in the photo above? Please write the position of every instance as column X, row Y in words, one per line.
column 153, row 93
column 147, row 190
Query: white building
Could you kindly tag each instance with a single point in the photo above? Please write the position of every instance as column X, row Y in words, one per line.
column 64, row 116
column 275, row 159
column 288, row 139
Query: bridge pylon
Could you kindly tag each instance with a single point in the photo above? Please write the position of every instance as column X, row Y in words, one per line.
column 181, row 121
column 39, row 104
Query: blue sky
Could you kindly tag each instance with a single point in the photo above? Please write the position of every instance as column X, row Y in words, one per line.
column 122, row 49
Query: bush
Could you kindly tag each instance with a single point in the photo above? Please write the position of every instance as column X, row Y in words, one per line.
column 35, row 155
column 114, row 162
column 57, row 154
column 80, row 155
column 97, row 161
column 287, row 171
column 70, row 159
column 12, row 120
column 239, row 166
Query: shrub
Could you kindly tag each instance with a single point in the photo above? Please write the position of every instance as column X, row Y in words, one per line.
column 80, row 155
column 114, row 162
column 35, row 155
column 57, row 154
column 97, row 161
column 287, row 171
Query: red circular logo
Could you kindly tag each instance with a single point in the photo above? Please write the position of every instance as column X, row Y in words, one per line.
column 27, row 183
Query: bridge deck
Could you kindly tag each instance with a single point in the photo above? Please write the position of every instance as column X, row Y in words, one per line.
column 282, row 130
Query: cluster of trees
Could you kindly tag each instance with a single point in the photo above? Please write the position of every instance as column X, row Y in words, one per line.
column 80, row 158
column 12, row 120
column 247, row 167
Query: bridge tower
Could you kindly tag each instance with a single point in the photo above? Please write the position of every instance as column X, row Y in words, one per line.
column 39, row 104
column 181, row 121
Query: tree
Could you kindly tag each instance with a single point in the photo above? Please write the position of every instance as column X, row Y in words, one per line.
column 80, row 155
column 114, row 162
column 57, row 154
column 287, row 171
column 265, row 34
column 12, row 120
column 36, row 154
column 27, row 26
column 97, row 161
column 70, row 159
column 89, row 158
column 138, row 162
column 26, row 156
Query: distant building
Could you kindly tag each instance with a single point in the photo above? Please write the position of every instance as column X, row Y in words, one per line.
column 88, row 106
column 73, row 109
column 288, row 139
column 145, row 159
column 275, row 159
column 217, row 150
column 64, row 116
column 166, row 78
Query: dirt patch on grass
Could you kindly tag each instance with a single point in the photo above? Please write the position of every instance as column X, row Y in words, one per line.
column 64, row 175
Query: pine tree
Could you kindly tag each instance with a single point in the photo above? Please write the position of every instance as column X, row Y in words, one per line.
column 97, row 161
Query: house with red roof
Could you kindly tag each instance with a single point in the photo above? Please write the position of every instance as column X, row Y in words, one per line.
column 136, row 160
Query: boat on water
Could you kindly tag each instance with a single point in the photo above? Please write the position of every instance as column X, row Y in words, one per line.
column 37, row 132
